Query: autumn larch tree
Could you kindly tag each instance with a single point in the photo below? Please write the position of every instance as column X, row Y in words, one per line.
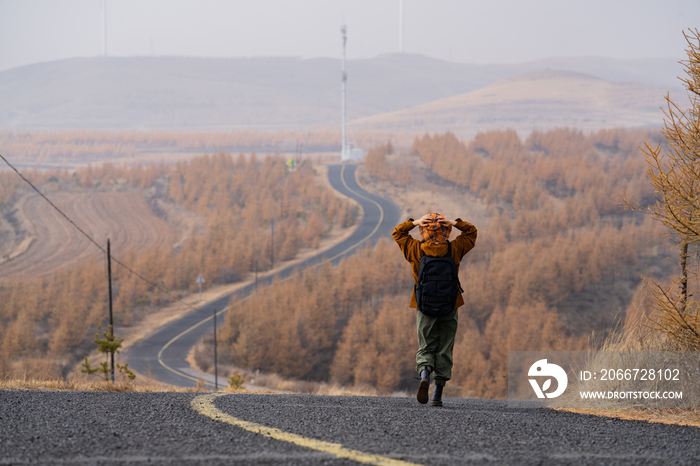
column 674, row 172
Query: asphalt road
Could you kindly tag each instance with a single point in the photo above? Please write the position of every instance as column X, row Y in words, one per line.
column 162, row 355
column 187, row 428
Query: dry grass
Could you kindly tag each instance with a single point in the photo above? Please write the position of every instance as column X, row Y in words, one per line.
column 45, row 377
column 634, row 336
column 57, row 384
column 280, row 384
column 683, row 417
column 265, row 384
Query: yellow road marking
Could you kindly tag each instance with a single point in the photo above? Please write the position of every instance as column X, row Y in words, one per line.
column 342, row 178
column 205, row 405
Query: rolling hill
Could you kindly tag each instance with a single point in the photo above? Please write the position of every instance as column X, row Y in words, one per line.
column 537, row 100
column 272, row 93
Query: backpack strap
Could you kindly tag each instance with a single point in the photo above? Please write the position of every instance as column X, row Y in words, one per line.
column 449, row 253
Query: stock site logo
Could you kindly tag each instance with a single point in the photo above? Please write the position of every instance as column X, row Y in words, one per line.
column 543, row 369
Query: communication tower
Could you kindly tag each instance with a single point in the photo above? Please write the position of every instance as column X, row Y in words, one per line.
column 104, row 28
column 343, row 147
column 347, row 153
column 401, row 26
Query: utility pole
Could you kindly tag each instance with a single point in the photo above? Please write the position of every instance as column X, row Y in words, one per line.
column 343, row 147
column 256, row 275
column 272, row 244
column 216, row 367
column 111, row 319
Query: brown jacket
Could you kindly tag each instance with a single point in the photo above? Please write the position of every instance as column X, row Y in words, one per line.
column 413, row 249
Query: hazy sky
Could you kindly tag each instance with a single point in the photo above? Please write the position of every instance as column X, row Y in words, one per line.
column 493, row 31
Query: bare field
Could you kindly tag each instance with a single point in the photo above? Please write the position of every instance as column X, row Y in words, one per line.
column 53, row 243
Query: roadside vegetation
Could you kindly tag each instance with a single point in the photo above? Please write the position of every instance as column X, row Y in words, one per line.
column 674, row 172
column 665, row 313
column 558, row 262
column 47, row 325
column 553, row 247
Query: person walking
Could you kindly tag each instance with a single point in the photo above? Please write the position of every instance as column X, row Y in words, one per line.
column 437, row 295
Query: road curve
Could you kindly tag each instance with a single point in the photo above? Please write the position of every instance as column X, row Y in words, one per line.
column 162, row 355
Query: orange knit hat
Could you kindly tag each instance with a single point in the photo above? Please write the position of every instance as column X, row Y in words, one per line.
column 435, row 231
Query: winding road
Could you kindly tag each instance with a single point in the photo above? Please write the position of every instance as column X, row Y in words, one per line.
column 113, row 428
column 163, row 354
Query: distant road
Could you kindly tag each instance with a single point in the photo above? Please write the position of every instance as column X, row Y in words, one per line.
column 162, row 355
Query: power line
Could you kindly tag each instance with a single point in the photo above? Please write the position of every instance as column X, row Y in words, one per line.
column 53, row 205
column 101, row 248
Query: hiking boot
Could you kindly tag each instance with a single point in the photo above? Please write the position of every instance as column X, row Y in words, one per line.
column 424, row 387
column 436, row 400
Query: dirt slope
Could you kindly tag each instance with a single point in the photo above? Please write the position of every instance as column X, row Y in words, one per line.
column 124, row 217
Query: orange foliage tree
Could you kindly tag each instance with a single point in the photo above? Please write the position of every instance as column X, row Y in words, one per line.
column 238, row 197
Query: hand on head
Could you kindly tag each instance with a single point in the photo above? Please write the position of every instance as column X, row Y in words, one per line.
column 424, row 220
column 430, row 218
column 446, row 221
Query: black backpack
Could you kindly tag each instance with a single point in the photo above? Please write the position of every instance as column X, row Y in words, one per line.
column 438, row 284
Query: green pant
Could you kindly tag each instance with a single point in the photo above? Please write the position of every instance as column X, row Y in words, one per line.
column 436, row 337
